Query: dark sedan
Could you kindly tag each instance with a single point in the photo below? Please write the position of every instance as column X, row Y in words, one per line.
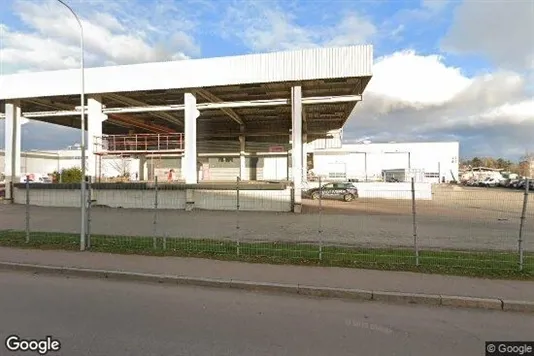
column 346, row 191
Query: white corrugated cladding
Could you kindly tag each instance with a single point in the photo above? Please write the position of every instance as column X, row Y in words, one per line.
column 436, row 159
column 308, row 64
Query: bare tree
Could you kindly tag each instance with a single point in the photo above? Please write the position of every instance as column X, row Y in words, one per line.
column 120, row 165
column 526, row 165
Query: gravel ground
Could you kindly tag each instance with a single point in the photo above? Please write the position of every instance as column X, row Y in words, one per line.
column 457, row 218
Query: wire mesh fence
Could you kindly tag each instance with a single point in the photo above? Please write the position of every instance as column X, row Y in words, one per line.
column 409, row 226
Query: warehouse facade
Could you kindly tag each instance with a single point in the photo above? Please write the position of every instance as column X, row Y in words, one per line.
column 431, row 162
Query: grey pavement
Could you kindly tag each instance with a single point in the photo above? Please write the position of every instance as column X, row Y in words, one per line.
column 388, row 281
column 98, row 317
column 357, row 228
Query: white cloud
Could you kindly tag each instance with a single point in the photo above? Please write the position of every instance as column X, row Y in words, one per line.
column 407, row 77
column 435, row 5
column 500, row 30
column 51, row 40
column 411, row 96
column 353, row 29
column 267, row 27
column 414, row 97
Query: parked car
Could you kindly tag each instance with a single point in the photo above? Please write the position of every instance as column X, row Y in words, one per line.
column 472, row 183
column 513, row 183
column 523, row 182
column 504, row 183
column 346, row 191
column 489, row 182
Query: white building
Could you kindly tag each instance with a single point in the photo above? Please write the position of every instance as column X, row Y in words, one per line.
column 426, row 161
column 43, row 163
column 430, row 162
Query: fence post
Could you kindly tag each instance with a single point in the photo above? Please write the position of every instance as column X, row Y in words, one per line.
column 522, row 224
column 27, row 208
column 89, row 206
column 155, row 222
column 320, row 219
column 165, row 242
column 414, row 224
column 238, row 226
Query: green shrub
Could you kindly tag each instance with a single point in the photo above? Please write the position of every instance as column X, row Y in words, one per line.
column 68, row 175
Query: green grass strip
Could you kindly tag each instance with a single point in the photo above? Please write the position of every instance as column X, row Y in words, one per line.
column 487, row 264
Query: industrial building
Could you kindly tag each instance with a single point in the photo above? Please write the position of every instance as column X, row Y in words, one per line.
column 244, row 107
column 432, row 162
column 330, row 159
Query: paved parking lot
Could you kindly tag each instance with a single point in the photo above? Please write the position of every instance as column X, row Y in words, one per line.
column 458, row 219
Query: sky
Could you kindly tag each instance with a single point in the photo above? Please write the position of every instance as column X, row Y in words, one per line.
column 444, row 70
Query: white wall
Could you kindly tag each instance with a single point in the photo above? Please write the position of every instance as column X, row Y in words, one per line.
column 437, row 158
column 45, row 162
column 250, row 200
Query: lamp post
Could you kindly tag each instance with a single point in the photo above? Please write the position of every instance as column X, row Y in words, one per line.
column 82, row 119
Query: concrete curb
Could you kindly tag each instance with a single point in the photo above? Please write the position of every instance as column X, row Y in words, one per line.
column 313, row 291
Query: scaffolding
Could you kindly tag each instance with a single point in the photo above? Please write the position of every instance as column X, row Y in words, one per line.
column 139, row 144
column 151, row 147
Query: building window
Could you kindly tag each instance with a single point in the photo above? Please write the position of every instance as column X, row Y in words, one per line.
column 226, row 160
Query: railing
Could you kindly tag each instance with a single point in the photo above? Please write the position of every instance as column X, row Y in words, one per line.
column 140, row 143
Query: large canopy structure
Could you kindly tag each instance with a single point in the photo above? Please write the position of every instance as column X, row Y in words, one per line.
column 257, row 100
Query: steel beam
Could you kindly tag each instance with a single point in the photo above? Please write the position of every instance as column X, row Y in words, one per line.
column 255, row 134
column 214, row 99
column 129, row 101
column 50, row 105
column 203, row 106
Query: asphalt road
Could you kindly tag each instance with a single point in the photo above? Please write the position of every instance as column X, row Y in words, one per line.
column 98, row 317
column 359, row 229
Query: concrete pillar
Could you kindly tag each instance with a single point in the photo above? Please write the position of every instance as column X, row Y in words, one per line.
column 189, row 166
column 242, row 160
column 296, row 149
column 142, row 163
column 189, row 162
column 12, row 137
column 304, row 149
column 95, row 118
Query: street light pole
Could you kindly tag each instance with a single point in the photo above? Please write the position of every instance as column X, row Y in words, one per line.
column 82, row 119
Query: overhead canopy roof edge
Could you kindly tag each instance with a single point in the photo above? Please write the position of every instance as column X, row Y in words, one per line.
column 289, row 66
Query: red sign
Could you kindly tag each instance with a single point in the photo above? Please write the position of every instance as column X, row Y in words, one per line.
column 276, row 149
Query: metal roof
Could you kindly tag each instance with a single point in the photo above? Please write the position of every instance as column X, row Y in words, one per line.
column 220, row 85
column 301, row 65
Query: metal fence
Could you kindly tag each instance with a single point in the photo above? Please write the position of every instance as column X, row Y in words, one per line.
column 387, row 225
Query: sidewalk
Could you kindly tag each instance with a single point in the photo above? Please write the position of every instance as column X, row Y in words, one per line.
column 407, row 282
column 346, row 278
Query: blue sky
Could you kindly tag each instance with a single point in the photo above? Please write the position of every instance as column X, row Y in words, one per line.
column 444, row 70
